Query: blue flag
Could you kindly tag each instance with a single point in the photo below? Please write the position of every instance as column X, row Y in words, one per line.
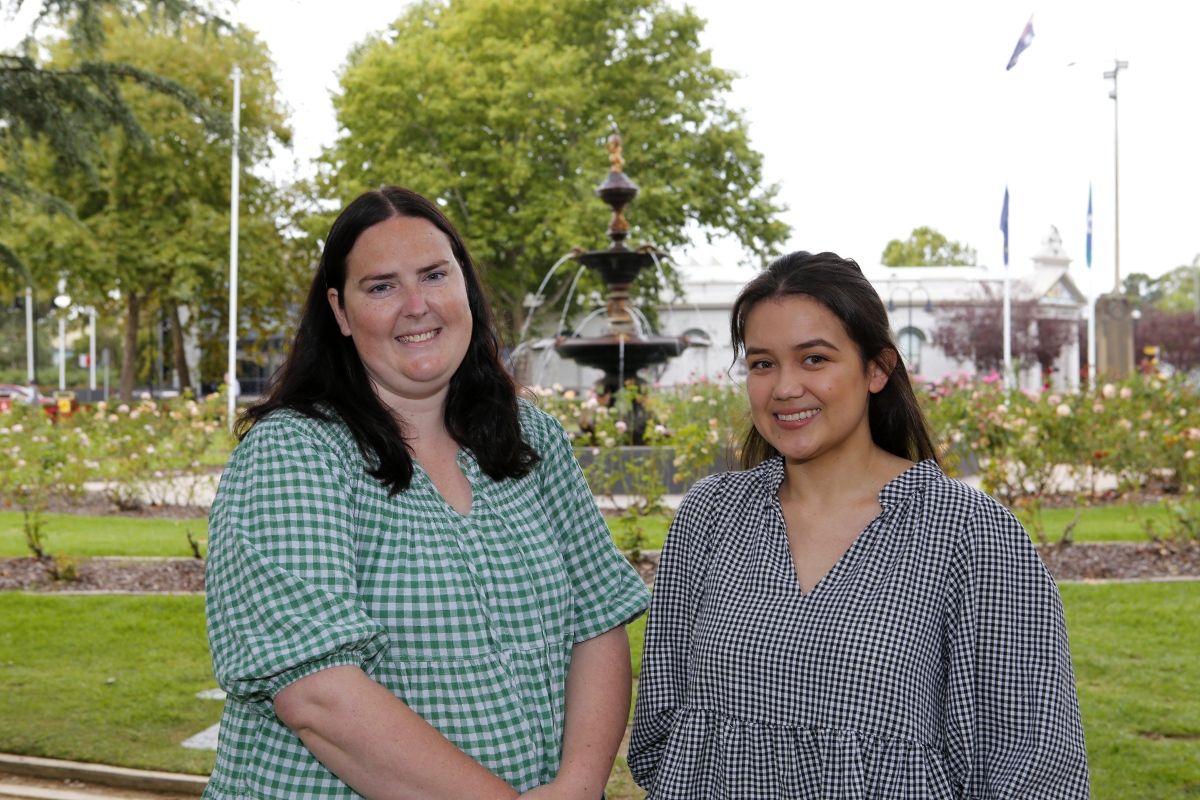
column 1004, row 226
column 1089, row 228
column 1025, row 40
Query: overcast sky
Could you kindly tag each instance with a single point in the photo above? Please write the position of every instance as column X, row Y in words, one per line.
column 877, row 117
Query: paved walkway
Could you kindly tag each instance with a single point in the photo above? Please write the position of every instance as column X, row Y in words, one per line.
column 31, row 778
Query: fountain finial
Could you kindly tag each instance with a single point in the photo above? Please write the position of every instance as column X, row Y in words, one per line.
column 617, row 190
column 614, row 150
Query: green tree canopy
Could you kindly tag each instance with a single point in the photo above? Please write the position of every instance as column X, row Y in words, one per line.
column 70, row 105
column 153, row 219
column 499, row 109
column 926, row 247
column 1178, row 291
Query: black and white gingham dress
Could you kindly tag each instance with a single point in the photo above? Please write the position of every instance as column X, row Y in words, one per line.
column 930, row 662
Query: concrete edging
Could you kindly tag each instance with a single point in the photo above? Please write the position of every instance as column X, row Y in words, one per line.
column 102, row 774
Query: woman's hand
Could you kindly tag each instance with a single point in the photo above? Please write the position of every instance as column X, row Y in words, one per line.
column 557, row 790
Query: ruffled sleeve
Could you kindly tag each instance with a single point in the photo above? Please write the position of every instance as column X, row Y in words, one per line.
column 669, row 630
column 1013, row 728
column 282, row 598
column 606, row 589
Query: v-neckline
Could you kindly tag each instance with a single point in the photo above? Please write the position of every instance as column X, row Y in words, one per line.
column 789, row 561
column 465, row 463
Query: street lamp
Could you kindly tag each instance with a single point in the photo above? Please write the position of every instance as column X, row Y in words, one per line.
column 909, row 330
column 62, row 301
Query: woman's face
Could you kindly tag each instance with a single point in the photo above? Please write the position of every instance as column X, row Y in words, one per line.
column 806, row 381
column 405, row 306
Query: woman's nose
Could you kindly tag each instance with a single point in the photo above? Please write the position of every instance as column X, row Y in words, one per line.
column 790, row 383
column 414, row 304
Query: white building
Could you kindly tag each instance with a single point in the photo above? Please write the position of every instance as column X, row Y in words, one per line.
column 912, row 294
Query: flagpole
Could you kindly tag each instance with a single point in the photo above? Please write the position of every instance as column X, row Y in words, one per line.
column 1010, row 378
column 1006, row 312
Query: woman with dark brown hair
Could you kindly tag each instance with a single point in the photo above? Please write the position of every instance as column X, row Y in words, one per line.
column 410, row 590
column 841, row 619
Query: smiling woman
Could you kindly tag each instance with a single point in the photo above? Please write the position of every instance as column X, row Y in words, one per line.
column 841, row 617
column 410, row 589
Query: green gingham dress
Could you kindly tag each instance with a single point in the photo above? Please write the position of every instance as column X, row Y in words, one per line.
column 470, row 620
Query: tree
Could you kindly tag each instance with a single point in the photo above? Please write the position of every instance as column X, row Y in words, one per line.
column 1178, row 291
column 154, row 217
column 974, row 332
column 925, row 247
column 500, row 111
column 1175, row 333
column 71, row 106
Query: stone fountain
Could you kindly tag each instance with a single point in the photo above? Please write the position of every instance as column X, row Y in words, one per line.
column 621, row 350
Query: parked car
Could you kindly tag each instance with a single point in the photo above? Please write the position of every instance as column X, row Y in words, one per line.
column 11, row 393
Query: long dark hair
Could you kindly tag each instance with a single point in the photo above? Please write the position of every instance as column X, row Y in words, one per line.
column 897, row 423
column 323, row 371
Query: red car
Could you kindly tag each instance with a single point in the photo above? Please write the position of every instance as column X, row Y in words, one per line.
column 17, row 393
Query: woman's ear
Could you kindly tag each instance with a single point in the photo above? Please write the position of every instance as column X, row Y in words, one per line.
column 339, row 313
column 880, row 369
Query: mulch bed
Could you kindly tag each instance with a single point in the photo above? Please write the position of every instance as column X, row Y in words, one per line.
column 1089, row 561
column 105, row 575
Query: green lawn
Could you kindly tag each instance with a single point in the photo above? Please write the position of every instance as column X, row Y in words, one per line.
column 1107, row 523
column 108, row 679
column 84, row 536
column 1110, row 523
column 1135, row 648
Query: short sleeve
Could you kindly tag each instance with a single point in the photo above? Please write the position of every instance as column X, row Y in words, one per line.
column 1013, row 727
column 607, row 590
column 667, row 646
column 281, row 593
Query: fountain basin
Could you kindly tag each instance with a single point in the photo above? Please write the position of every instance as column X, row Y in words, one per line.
column 620, row 356
column 617, row 266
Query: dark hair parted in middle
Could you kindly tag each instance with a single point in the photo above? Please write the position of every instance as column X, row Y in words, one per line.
column 897, row 422
column 323, row 370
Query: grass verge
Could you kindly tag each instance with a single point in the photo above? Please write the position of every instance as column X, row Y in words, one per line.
column 1135, row 648
column 86, row 536
column 108, row 679
column 1107, row 523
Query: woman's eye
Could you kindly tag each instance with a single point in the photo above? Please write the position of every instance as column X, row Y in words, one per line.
column 759, row 363
column 436, row 276
column 379, row 288
column 815, row 359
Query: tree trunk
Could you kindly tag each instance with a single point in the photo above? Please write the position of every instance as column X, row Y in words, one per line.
column 181, row 367
column 129, row 346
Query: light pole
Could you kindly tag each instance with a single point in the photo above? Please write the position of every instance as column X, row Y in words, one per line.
column 91, row 312
column 62, row 301
column 1112, row 75
column 235, row 170
column 908, row 293
column 30, row 368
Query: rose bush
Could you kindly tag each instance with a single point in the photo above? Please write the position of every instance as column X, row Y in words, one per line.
column 1139, row 434
column 133, row 454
